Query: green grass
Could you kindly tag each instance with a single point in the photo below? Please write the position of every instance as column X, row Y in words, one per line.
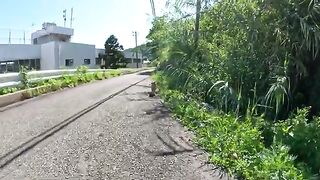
column 65, row 81
column 237, row 144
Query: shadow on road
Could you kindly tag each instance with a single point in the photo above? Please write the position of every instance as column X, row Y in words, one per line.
column 179, row 147
column 146, row 73
column 139, row 96
column 165, row 138
column 146, row 86
column 158, row 112
column 174, row 147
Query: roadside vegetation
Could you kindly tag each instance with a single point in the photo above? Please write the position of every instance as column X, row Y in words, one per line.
column 243, row 75
column 35, row 88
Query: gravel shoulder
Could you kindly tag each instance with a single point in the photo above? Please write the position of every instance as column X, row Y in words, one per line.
column 131, row 136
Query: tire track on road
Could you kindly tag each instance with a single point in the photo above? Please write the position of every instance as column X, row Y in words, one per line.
column 25, row 147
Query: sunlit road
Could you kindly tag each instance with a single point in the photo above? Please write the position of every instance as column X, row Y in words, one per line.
column 108, row 129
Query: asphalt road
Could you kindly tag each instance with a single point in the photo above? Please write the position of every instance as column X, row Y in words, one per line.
column 129, row 136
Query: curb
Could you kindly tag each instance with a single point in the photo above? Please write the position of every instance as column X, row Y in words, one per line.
column 11, row 98
column 22, row 95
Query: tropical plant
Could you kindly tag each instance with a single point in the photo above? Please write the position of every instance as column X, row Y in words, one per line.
column 252, row 59
column 82, row 70
column 24, row 78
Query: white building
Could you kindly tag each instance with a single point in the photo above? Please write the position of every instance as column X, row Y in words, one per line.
column 50, row 49
column 134, row 60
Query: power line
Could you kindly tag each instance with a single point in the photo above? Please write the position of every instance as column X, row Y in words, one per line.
column 14, row 36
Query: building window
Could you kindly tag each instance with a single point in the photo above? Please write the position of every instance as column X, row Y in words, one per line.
column 69, row 62
column 86, row 61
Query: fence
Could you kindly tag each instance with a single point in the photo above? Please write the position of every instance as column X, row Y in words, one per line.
column 14, row 36
column 13, row 79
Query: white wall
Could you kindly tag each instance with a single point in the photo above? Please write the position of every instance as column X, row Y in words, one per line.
column 19, row 51
column 99, row 51
column 49, row 56
column 52, row 55
column 53, row 30
column 60, row 30
column 129, row 53
column 51, row 37
column 77, row 52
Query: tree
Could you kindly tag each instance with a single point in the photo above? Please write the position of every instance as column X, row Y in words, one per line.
column 197, row 23
column 113, row 55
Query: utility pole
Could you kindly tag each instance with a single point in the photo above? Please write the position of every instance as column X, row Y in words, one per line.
column 197, row 23
column 153, row 8
column 24, row 37
column 71, row 18
column 65, row 17
column 31, row 30
column 136, row 41
column 9, row 36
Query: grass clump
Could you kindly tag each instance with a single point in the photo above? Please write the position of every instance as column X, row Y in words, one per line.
column 81, row 76
column 237, row 144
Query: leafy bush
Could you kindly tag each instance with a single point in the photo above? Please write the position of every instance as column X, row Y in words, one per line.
column 55, row 84
column 8, row 90
column 42, row 90
column 266, row 52
column 99, row 75
column 233, row 143
column 69, row 81
column 24, row 78
column 89, row 77
column 44, row 86
column 82, row 70
column 277, row 163
column 81, row 78
column 255, row 61
column 114, row 73
column 106, row 75
column 302, row 136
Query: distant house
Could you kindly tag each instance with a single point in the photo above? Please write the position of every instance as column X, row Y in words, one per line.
column 50, row 49
column 133, row 59
column 99, row 57
column 130, row 56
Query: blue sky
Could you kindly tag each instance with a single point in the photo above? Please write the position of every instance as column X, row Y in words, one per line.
column 94, row 20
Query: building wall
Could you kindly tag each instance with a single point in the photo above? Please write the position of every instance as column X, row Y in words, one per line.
column 77, row 52
column 54, row 55
column 49, row 56
column 41, row 40
column 51, row 37
column 51, row 32
column 99, row 51
column 129, row 53
column 19, row 51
